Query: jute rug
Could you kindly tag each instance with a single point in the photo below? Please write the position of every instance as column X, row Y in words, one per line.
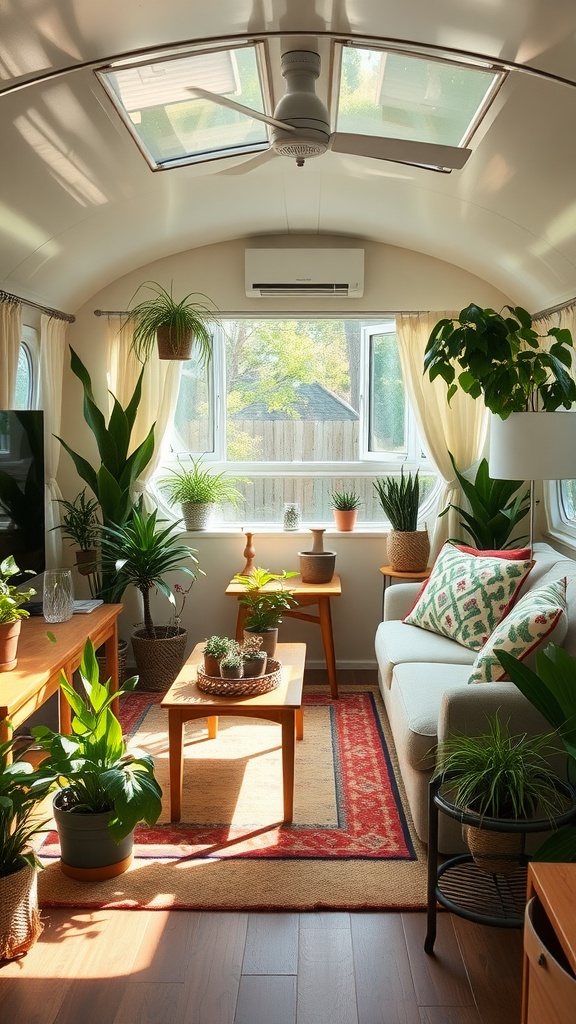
column 351, row 844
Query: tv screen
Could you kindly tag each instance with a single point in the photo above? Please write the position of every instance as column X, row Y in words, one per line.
column 22, row 490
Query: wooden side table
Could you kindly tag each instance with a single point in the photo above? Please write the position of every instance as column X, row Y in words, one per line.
column 389, row 573
column 305, row 594
column 549, row 975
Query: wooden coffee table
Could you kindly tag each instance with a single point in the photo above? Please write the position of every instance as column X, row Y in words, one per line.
column 184, row 702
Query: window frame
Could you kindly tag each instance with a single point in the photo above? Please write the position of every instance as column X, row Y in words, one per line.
column 369, row 464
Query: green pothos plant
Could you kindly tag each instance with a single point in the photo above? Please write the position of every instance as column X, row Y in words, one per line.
column 503, row 359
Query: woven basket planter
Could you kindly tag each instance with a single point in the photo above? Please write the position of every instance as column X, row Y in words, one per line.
column 242, row 687
column 101, row 659
column 20, row 923
column 159, row 661
column 497, row 853
column 408, row 552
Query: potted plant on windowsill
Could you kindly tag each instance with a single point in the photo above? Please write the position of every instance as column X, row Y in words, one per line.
column 498, row 776
column 198, row 489
column 408, row 547
column 345, row 505
column 265, row 607
column 109, row 787
column 141, row 554
column 11, row 613
column 21, row 792
column 175, row 327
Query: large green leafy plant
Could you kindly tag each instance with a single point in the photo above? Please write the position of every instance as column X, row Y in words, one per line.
column 494, row 511
column 140, row 553
column 100, row 773
column 265, row 607
column 400, row 498
column 113, row 480
column 501, row 358
column 12, row 597
column 551, row 689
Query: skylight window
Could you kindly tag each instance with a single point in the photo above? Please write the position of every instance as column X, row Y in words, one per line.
column 406, row 97
column 170, row 125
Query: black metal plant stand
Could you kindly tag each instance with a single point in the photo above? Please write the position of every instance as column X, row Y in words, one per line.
column 467, row 890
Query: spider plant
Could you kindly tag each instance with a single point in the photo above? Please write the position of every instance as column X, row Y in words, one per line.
column 200, row 485
column 192, row 315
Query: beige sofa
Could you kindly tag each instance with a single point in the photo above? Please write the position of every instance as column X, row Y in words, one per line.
column 424, row 682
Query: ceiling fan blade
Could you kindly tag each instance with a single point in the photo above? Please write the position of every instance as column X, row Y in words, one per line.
column 404, row 151
column 251, row 163
column 223, row 101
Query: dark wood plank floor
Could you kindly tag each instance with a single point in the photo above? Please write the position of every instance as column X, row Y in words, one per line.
column 328, row 967
column 184, row 967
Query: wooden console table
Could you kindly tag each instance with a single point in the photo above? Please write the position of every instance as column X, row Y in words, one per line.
column 305, row 594
column 40, row 661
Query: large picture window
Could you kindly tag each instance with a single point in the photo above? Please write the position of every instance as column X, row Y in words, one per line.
column 299, row 408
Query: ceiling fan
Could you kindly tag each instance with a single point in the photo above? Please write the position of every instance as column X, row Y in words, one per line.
column 301, row 126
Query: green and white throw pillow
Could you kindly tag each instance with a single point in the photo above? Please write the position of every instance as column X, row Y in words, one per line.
column 466, row 596
column 539, row 615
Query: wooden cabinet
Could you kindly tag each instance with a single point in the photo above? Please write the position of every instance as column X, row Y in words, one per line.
column 549, row 981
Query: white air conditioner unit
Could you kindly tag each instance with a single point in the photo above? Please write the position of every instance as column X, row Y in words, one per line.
column 312, row 273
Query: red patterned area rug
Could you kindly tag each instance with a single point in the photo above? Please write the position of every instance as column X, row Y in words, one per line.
column 351, row 844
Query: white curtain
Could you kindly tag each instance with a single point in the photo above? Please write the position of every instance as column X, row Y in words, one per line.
column 10, row 335
column 459, row 427
column 159, row 392
column 52, row 351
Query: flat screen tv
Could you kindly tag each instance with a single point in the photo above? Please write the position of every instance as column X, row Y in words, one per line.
column 22, row 522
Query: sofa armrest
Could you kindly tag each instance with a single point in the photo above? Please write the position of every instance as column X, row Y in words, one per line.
column 466, row 708
column 399, row 599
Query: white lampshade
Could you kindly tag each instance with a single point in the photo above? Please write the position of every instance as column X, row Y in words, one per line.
column 533, row 446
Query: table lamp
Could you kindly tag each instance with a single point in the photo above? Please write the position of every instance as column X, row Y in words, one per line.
column 533, row 446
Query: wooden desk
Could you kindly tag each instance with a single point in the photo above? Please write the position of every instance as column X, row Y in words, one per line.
column 305, row 594
column 185, row 702
column 548, row 987
column 40, row 661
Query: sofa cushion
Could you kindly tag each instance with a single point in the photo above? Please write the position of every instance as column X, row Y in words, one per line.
column 397, row 643
column 414, row 707
column 466, row 596
column 510, row 554
column 539, row 615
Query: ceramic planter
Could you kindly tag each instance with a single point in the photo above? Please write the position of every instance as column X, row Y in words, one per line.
column 20, row 923
column 211, row 665
column 345, row 519
column 269, row 640
column 9, row 636
column 87, row 561
column 254, row 666
column 87, row 849
column 232, row 672
column 197, row 514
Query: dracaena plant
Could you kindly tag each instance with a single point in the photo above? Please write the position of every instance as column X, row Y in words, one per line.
column 100, row 772
column 494, row 511
column 503, row 359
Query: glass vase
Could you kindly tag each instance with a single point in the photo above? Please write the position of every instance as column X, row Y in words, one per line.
column 58, row 595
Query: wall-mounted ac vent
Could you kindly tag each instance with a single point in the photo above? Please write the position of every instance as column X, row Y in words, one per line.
column 310, row 273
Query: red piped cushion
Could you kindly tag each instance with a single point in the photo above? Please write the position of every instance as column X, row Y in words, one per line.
column 514, row 554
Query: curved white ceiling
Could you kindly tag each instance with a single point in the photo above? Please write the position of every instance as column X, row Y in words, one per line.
column 80, row 207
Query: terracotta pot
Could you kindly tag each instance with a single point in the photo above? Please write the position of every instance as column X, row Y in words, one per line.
column 9, row 635
column 211, row 665
column 345, row 519
column 87, row 561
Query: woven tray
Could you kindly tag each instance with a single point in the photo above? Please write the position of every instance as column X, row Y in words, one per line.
column 241, row 687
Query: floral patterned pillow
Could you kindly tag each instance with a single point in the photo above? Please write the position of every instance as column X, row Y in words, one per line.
column 466, row 596
column 537, row 616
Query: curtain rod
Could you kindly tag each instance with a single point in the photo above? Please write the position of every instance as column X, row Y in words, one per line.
column 57, row 313
column 554, row 309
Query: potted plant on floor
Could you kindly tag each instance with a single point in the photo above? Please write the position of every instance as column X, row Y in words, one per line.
column 109, row 787
column 498, row 776
column 142, row 553
column 81, row 525
column 11, row 613
column 552, row 692
column 494, row 511
column 345, row 505
column 399, row 497
column 265, row 607
column 198, row 489
column 175, row 327
column 21, row 791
